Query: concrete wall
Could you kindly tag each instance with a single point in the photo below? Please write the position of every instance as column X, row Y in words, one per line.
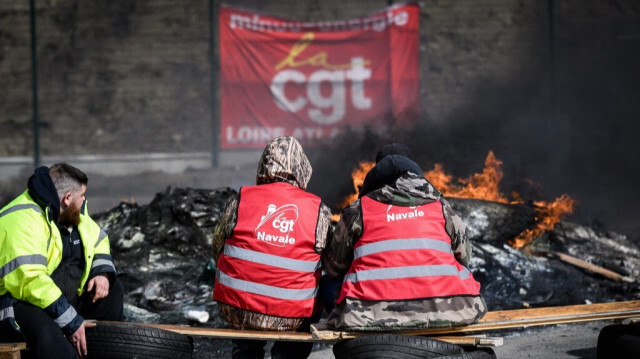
column 115, row 77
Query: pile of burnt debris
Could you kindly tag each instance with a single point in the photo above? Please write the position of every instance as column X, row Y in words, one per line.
column 163, row 254
column 570, row 264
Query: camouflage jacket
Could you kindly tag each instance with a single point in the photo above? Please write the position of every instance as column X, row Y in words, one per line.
column 282, row 161
column 352, row 314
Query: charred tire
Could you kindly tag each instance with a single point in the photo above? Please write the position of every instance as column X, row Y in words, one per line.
column 111, row 340
column 394, row 346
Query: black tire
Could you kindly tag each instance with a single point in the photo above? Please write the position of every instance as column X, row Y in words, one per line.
column 394, row 346
column 111, row 340
column 619, row 341
column 473, row 354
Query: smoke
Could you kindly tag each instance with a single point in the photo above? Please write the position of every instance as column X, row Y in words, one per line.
column 584, row 145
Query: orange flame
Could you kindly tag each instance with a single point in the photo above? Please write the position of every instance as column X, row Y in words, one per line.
column 357, row 175
column 478, row 186
column 482, row 186
column 547, row 216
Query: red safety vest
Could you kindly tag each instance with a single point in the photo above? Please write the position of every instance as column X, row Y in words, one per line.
column 269, row 265
column 405, row 253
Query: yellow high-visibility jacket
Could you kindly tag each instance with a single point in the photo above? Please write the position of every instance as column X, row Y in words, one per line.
column 31, row 249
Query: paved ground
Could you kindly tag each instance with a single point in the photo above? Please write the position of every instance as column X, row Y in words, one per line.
column 558, row 341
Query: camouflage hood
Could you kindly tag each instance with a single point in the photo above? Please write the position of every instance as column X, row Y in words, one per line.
column 408, row 190
column 283, row 160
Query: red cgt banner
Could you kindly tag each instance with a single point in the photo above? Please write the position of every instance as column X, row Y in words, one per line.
column 311, row 80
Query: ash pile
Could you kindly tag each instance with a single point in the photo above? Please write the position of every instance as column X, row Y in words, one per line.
column 163, row 254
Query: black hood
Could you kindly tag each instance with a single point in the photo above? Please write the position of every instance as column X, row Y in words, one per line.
column 42, row 190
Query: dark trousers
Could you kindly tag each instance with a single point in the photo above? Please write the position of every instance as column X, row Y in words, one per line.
column 45, row 338
column 254, row 349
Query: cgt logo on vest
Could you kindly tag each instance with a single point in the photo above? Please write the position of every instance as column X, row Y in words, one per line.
column 276, row 226
column 404, row 215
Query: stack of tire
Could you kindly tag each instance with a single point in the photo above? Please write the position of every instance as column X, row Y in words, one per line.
column 396, row 346
column 115, row 340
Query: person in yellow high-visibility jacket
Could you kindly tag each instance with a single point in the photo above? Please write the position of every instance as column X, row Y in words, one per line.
column 55, row 266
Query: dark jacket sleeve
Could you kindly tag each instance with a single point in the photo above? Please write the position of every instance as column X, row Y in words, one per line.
column 457, row 230
column 225, row 226
column 324, row 229
column 338, row 255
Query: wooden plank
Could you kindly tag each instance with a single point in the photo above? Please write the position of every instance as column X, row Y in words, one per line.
column 472, row 340
column 522, row 318
column 11, row 347
column 223, row 333
column 11, row 350
column 592, row 267
column 286, row 336
column 490, row 341
column 506, row 319
column 10, row 355
column 564, row 314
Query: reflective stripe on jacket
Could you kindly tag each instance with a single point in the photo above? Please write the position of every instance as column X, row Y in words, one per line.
column 405, row 253
column 31, row 249
column 97, row 250
column 269, row 265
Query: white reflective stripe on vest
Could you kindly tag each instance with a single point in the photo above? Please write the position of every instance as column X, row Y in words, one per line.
column 270, row 259
column 408, row 272
column 267, row 290
column 401, row 244
column 66, row 317
column 19, row 207
column 22, row 260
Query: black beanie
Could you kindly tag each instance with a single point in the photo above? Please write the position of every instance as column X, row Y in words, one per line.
column 393, row 149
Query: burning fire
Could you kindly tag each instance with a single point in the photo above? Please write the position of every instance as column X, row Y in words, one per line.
column 357, row 175
column 547, row 216
column 478, row 186
column 482, row 186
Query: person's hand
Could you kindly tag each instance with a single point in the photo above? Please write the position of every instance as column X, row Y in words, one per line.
column 101, row 284
column 79, row 340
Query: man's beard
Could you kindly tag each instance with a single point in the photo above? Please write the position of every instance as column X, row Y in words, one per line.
column 70, row 217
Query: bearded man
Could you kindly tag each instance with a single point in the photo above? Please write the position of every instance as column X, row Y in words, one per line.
column 55, row 266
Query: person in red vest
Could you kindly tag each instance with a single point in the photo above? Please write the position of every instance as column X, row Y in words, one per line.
column 402, row 253
column 267, row 246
